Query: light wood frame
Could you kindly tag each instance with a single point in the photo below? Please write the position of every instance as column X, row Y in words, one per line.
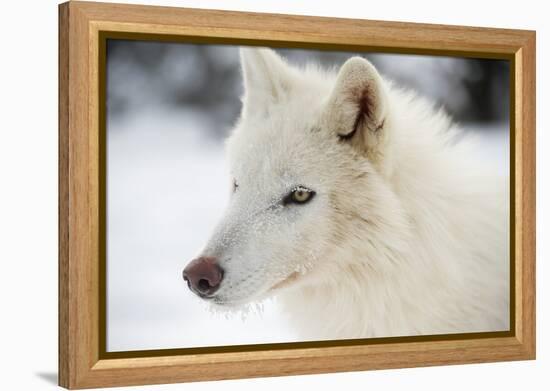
column 82, row 360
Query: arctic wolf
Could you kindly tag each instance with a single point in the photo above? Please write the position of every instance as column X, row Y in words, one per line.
column 359, row 206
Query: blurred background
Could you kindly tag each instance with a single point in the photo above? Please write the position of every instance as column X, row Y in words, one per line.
column 169, row 108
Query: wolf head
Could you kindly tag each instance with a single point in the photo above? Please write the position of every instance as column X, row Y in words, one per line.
column 309, row 157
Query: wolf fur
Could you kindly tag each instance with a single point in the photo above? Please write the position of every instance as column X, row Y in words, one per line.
column 407, row 233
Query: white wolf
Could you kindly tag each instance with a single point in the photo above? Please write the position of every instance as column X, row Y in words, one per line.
column 360, row 206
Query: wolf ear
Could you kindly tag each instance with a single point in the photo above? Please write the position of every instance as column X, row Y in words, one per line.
column 267, row 78
column 356, row 108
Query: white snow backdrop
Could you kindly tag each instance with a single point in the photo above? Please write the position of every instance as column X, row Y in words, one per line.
column 167, row 186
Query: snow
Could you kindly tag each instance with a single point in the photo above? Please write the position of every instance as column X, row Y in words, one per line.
column 167, row 187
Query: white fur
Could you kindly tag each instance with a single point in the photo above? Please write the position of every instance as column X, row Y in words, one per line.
column 407, row 233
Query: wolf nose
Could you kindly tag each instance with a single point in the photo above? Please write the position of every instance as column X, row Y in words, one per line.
column 203, row 276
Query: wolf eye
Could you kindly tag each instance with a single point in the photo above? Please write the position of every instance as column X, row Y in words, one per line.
column 300, row 195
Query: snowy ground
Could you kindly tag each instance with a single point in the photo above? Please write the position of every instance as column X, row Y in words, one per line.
column 167, row 187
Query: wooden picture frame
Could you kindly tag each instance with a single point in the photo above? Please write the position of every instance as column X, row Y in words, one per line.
column 83, row 29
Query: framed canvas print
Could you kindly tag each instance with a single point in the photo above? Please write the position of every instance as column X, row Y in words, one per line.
column 248, row 195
